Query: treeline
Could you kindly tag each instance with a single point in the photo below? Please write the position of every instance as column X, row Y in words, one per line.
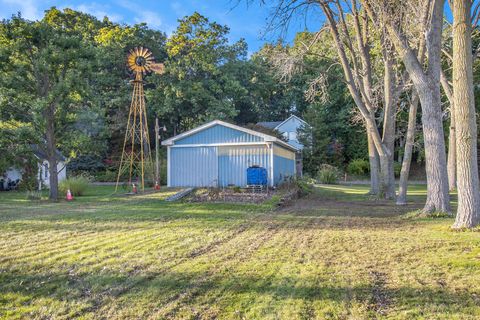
column 65, row 85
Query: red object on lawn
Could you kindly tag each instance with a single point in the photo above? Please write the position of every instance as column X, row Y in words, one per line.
column 69, row 195
column 157, row 186
column 134, row 188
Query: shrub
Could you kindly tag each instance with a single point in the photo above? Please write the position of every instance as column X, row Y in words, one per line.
column 106, row 176
column 304, row 186
column 327, row 174
column 77, row 185
column 358, row 167
column 88, row 163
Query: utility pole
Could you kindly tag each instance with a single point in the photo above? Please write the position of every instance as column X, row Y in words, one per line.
column 157, row 162
column 157, row 156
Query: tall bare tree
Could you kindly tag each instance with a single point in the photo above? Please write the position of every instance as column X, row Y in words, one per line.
column 411, row 127
column 352, row 35
column 468, row 213
column 397, row 17
column 358, row 74
column 408, row 150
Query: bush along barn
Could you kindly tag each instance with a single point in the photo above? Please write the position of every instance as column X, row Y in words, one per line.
column 219, row 154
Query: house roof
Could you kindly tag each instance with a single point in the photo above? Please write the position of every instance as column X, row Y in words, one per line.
column 292, row 116
column 266, row 137
column 40, row 154
column 269, row 124
column 274, row 125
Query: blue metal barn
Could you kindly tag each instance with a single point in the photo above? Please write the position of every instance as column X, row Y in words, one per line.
column 218, row 154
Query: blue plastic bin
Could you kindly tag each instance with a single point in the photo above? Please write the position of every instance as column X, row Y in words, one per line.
column 257, row 176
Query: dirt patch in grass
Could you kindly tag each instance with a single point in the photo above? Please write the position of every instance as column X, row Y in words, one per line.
column 365, row 208
column 230, row 195
column 380, row 300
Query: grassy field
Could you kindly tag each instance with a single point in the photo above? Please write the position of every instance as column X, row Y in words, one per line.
column 334, row 255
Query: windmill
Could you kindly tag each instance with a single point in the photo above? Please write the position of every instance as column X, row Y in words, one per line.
column 136, row 160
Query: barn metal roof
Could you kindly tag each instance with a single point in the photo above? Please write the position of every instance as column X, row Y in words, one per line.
column 267, row 138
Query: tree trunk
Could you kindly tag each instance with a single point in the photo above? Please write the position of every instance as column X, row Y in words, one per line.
column 385, row 187
column 51, row 153
column 407, row 156
column 435, row 156
column 374, row 166
column 388, row 136
column 452, row 153
column 452, row 149
column 468, row 213
column 401, row 145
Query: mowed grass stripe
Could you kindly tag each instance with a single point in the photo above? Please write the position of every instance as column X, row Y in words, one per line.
column 46, row 256
column 17, row 242
column 227, row 277
column 77, row 242
column 179, row 277
column 204, row 288
column 144, row 278
column 171, row 247
column 55, row 242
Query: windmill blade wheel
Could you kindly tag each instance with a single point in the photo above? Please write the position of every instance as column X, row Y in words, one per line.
column 140, row 60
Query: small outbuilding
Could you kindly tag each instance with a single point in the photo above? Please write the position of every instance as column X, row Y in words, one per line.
column 12, row 177
column 218, row 154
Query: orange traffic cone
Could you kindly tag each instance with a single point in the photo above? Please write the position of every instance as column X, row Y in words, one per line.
column 157, row 186
column 134, row 188
column 69, row 195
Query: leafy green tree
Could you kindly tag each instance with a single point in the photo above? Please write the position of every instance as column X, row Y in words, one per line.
column 46, row 66
column 198, row 86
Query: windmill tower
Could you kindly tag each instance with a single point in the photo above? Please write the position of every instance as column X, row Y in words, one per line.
column 136, row 162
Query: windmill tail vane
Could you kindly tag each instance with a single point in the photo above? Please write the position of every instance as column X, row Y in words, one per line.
column 136, row 166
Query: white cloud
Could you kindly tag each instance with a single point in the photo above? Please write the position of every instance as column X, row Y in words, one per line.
column 151, row 18
column 142, row 14
column 28, row 8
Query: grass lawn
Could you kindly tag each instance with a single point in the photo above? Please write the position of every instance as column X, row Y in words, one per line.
column 334, row 255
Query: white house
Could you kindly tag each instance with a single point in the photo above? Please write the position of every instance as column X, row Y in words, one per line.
column 289, row 129
column 14, row 175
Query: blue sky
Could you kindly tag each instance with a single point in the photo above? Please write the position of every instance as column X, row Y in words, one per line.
column 244, row 21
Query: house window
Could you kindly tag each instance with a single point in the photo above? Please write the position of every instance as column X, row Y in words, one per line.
column 45, row 169
column 290, row 136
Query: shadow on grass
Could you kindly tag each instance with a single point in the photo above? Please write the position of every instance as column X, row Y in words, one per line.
column 97, row 290
column 127, row 213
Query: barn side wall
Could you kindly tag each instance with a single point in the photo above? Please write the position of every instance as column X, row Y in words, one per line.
column 193, row 167
column 283, row 164
column 233, row 162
